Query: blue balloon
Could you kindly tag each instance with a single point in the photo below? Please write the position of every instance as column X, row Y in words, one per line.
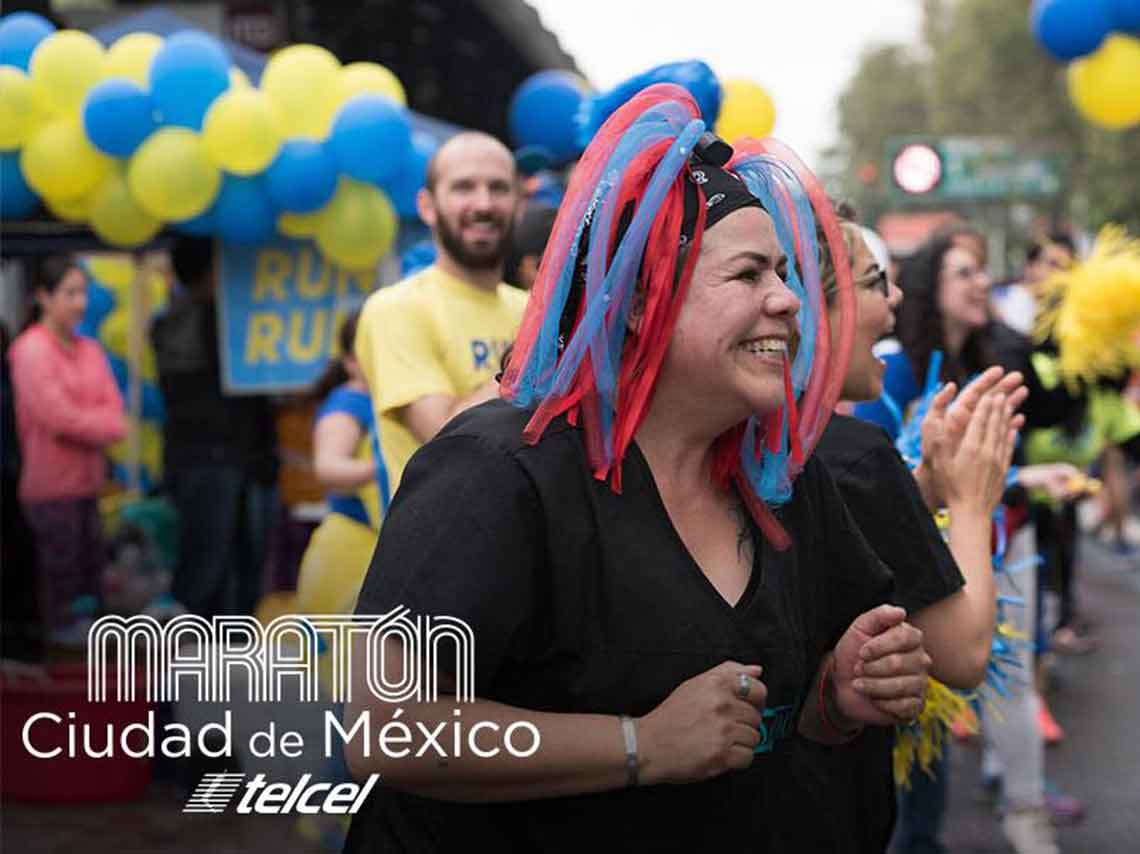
column 118, row 116
column 1070, row 29
column 189, row 71
column 406, row 184
column 100, row 303
column 542, row 113
column 120, row 371
column 243, row 212
column 695, row 76
column 200, row 226
column 302, row 178
column 1125, row 15
column 416, row 257
column 153, row 408
column 371, row 138
column 20, row 34
column 16, row 198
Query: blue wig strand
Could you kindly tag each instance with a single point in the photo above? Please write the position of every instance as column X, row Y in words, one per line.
column 775, row 186
column 762, row 175
column 609, row 292
column 909, row 441
column 537, row 379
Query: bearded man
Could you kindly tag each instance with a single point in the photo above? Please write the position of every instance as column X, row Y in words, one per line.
column 431, row 344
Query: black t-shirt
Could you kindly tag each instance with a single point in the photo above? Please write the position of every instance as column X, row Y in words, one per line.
column 583, row 601
column 203, row 424
column 885, row 502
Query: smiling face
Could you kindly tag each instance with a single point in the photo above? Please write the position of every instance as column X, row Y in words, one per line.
column 963, row 291
column 63, row 307
column 874, row 318
column 732, row 334
column 471, row 199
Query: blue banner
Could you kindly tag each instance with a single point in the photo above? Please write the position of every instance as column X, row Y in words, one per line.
column 281, row 306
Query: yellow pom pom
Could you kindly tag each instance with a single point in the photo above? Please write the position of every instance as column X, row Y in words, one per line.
column 921, row 743
column 1092, row 310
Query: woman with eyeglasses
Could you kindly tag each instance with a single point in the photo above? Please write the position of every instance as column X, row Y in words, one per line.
column 947, row 589
column 945, row 309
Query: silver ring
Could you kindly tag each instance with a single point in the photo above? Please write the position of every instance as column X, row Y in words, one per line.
column 743, row 686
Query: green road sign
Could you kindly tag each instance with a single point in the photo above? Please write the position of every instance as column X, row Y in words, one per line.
column 969, row 169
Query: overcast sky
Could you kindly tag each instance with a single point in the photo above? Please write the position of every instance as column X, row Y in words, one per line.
column 801, row 51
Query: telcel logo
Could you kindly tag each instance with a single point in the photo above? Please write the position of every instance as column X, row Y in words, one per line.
column 216, row 791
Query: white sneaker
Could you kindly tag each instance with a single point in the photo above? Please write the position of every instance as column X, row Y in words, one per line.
column 1029, row 832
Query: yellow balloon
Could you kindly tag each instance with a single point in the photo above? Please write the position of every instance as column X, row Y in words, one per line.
column 150, row 449
column 64, row 67
column 358, row 226
column 131, row 56
column 303, row 81
column 298, row 225
column 70, row 210
column 238, row 80
column 361, row 78
column 114, row 331
column 241, row 132
column 19, row 114
column 745, row 110
column 148, row 368
column 117, row 218
column 113, row 272
column 159, row 291
column 58, row 161
column 1105, row 86
column 171, row 177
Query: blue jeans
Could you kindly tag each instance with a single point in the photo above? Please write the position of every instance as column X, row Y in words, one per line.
column 225, row 518
column 921, row 809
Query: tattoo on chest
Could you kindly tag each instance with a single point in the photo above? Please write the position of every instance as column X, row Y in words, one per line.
column 744, row 543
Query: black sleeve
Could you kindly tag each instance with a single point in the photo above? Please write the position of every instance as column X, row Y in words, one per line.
column 886, row 504
column 463, row 538
column 850, row 578
column 1047, row 405
column 1131, row 449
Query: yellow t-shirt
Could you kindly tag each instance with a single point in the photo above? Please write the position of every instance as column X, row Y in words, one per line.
column 430, row 334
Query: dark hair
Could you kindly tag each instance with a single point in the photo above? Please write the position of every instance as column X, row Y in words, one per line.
column 192, row 258
column 919, row 326
column 335, row 374
column 529, row 237
column 953, row 230
column 49, row 273
column 1059, row 238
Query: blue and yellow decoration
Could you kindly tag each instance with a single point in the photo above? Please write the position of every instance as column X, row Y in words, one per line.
column 151, row 132
column 108, row 321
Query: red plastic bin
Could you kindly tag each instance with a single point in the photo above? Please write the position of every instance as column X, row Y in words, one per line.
column 64, row 779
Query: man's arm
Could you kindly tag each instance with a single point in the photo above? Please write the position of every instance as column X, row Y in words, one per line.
column 427, row 415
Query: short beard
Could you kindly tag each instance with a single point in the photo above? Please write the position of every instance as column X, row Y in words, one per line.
column 476, row 261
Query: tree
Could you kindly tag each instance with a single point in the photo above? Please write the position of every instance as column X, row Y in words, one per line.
column 983, row 73
column 885, row 97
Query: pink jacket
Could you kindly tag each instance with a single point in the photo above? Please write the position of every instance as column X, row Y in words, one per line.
column 68, row 409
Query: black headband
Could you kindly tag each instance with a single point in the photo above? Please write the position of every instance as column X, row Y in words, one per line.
column 721, row 193
column 705, row 183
